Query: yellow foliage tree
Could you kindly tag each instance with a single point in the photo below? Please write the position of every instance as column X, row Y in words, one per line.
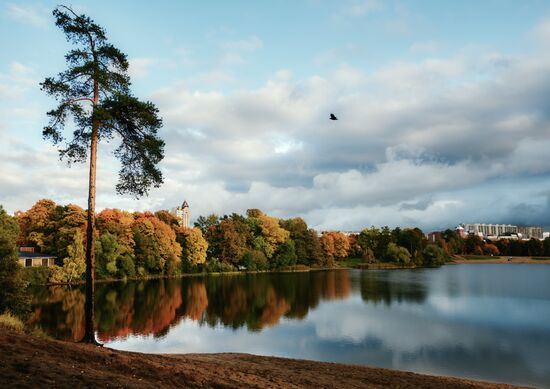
column 193, row 245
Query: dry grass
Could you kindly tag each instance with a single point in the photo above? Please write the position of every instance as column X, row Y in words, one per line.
column 10, row 321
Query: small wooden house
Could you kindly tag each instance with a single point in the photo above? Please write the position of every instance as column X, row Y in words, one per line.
column 28, row 258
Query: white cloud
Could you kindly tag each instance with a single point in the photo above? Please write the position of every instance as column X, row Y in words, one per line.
column 357, row 8
column 35, row 15
column 417, row 142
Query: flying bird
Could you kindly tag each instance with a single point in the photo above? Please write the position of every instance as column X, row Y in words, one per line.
column 332, row 117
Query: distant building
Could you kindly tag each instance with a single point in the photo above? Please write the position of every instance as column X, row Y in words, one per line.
column 489, row 229
column 531, row 232
column 28, row 258
column 545, row 235
column 460, row 231
column 496, row 231
column 182, row 214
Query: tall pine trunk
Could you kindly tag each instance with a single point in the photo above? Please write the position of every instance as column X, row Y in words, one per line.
column 89, row 333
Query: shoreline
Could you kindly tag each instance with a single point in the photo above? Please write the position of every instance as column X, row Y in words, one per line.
column 500, row 260
column 364, row 266
column 28, row 361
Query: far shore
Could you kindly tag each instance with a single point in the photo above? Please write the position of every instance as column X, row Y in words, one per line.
column 498, row 260
column 366, row 266
column 29, row 361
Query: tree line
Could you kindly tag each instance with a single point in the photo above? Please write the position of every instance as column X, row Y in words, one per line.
column 454, row 244
column 141, row 244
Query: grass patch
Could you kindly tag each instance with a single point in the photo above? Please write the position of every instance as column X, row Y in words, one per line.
column 39, row 333
column 12, row 322
column 297, row 268
column 474, row 257
column 541, row 258
column 350, row 262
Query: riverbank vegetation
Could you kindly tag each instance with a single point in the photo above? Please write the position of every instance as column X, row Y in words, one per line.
column 133, row 245
column 145, row 244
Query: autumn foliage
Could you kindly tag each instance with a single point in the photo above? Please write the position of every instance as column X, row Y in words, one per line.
column 143, row 244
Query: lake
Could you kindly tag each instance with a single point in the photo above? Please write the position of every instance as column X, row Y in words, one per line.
column 489, row 322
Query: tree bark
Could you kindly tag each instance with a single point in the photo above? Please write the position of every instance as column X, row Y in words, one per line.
column 89, row 332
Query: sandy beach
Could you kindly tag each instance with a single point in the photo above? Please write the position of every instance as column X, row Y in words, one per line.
column 501, row 260
column 27, row 361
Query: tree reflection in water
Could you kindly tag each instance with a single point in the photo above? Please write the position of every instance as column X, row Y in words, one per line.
column 390, row 286
column 254, row 301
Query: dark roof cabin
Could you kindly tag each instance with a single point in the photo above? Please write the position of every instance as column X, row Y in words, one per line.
column 28, row 258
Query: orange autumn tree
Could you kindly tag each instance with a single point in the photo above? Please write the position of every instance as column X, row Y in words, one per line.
column 37, row 225
column 335, row 244
column 156, row 248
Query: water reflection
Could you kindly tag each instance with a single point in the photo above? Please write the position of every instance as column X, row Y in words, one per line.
column 390, row 286
column 488, row 322
column 153, row 307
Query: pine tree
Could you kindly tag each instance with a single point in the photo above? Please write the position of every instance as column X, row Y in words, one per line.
column 94, row 94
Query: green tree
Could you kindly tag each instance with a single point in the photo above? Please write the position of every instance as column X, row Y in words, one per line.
column 97, row 74
column 298, row 230
column 397, row 254
column 413, row 239
column 316, row 255
column 255, row 260
column 69, row 218
column 285, row 254
column 434, row 255
column 207, row 223
column 369, row 240
column 107, row 254
column 74, row 265
column 13, row 295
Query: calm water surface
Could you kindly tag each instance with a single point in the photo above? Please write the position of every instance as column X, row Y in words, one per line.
column 487, row 322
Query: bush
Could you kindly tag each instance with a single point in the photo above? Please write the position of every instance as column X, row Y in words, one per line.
column 255, row 260
column 36, row 275
column 9, row 321
column 126, row 266
column 368, row 255
column 190, row 268
column 285, row 255
column 398, row 254
column 434, row 255
column 215, row 266
column 13, row 295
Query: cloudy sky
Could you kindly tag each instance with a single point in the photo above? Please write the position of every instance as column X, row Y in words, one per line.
column 444, row 108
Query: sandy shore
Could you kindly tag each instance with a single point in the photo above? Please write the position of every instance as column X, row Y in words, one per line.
column 27, row 361
column 501, row 260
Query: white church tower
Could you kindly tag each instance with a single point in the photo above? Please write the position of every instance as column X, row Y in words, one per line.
column 182, row 213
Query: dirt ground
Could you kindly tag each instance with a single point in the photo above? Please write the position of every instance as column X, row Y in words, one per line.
column 27, row 361
column 501, row 260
